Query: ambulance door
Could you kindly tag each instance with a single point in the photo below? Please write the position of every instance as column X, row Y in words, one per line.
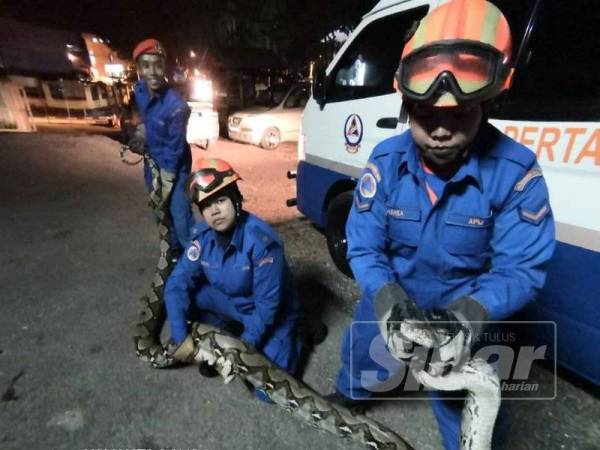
column 361, row 107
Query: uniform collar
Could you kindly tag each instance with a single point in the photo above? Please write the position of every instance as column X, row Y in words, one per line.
column 159, row 95
column 468, row 171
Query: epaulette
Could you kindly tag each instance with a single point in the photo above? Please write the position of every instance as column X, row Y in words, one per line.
column 262, row 236
column 504, row 147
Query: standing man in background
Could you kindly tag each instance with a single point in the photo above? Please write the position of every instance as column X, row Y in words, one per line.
column 165, row 115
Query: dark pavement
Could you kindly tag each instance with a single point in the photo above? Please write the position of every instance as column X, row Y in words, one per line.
column 79, row 248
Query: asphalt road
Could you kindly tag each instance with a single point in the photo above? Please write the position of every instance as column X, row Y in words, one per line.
column 79, row 248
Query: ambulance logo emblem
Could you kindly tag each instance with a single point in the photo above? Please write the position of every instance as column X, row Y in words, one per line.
column 353, row 133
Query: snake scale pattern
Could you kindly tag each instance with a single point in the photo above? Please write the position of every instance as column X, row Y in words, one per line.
column 148, row 345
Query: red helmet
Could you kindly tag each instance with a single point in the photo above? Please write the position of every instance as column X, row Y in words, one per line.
column 148, row 47
column 460, row 53
column 208, row 176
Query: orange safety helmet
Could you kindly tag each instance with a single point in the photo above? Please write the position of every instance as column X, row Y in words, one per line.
column 459, row 53
column 208, row 176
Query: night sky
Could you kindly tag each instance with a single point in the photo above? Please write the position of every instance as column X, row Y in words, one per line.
column 291, row 28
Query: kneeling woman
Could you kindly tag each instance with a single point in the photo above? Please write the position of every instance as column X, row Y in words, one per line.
column 233, row 270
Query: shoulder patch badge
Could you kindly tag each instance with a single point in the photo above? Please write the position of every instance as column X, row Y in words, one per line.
column 193, row 251
column 367, row 185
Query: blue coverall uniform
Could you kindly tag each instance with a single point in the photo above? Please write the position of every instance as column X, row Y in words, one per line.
column 249, row 281
column 488, row 236
column 165, row 116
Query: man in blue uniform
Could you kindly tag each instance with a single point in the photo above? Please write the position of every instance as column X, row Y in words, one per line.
column 234, row 270
column 452, row 212
column 165, row 116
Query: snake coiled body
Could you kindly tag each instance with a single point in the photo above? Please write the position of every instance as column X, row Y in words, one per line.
column 292, row 395
column 148, row 345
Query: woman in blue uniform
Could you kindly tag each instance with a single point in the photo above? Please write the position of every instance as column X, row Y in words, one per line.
column 233, row 271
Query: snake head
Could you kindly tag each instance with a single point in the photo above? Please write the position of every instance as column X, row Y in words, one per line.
column 442, row 325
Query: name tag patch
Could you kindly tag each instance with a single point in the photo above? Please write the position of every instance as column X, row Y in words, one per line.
column 405, row 213
column 466, row 220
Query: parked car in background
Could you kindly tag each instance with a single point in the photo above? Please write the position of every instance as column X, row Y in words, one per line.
column 203, row 125
column 274, row 118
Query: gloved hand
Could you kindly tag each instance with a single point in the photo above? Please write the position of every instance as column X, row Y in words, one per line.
column 166, row 181
column 411, row 334
column 464, row 320
column 392, row 308
column 137, row 143
column 451, row 333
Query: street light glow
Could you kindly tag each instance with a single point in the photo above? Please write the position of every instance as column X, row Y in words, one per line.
column 203, row 91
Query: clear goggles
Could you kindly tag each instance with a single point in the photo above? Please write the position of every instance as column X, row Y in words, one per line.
column 471, row 72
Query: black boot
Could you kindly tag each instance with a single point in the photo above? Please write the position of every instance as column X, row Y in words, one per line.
column 355, row 406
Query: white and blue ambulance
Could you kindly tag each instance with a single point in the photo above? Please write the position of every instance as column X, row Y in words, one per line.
column 553, row 108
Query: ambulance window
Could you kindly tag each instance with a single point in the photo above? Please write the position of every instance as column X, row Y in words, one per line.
column 559, row 74
column 368, row 66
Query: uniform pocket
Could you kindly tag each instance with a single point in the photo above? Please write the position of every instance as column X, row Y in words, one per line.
column 404, row 224
column 467, row 234
column 237, row 279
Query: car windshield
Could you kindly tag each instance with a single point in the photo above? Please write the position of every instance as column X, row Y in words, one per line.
column 272, row 96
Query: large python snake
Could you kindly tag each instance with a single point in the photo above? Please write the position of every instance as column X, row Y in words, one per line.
column 148, row 345
column 245, row 361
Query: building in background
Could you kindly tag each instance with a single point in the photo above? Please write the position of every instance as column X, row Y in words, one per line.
column 63, row 75
column 105, row 64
